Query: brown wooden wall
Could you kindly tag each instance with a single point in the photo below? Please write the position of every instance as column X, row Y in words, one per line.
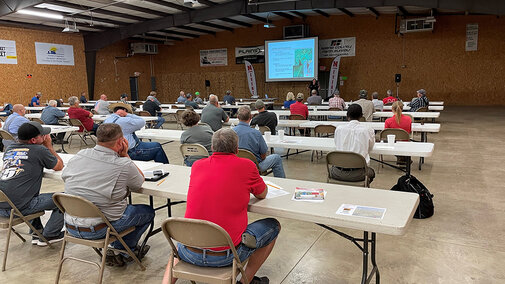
column 54, row 81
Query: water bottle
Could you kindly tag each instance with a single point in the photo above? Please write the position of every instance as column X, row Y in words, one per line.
column 257, row 127
column 266, row 96
column 232, row 125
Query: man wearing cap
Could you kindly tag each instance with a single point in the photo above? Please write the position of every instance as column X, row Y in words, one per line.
column 102, row 105
column 151, row 107
column 299, row 107
column 228, row 99
column 213, row 114
column 198, row 100
column 264, row 118
column 137, row 150
column 366, row 105
column 336, row 101
column 51, row 115
column 108, row 191
column 354, row 137
column 154, row 94
column 420, row 101
column 14, row 121
column 189, row 102
column 182, row 98
column 251, row 139
column 35, row 100
column 21, row 179
column 314, row 99
column 74, row 111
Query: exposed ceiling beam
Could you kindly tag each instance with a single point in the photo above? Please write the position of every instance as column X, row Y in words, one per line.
column 87, row 19
column 180, row 33
column 85, row 10
column 140, row 9
column 403, row 11
column 216, row 26
column 236, row 22
column 345, row 11
column 207, row 2
column 197, row 30
column 322, row 13
column 143, row 39
column 163, row 37
column 254, row 17
column 285, row 15
column 375, row 12
column 10, row 6
column 169, row 5
column 29, row 26
column 298, row 14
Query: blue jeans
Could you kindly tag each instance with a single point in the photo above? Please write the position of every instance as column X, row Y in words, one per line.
column 265, row 231
column 39, row 203
column 138, row 215
column 147, row 151
column 160, row 122
column 273, row 162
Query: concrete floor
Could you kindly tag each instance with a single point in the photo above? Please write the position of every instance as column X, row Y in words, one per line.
column 459, row 244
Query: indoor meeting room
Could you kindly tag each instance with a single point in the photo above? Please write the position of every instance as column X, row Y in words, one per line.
column 251, row 141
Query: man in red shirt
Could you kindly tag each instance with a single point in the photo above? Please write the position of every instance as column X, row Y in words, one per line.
column 299, row 107
column 223, row 200
column 83, row 115
column 389, row 99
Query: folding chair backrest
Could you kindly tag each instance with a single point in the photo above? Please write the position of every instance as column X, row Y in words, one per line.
column 262, row 129
column 38, row 120
column 362, row 119
column 324, row 129
column 196, row 233
column 6, row 135
column 400, row 134
column 344, row 159
column 4, row 198
column 422, row 109
column 296, row 117
column 243, row 153
column 193, row 150
column 76, row 122
column 77, row 206
column 144, row 113
column 335, row 109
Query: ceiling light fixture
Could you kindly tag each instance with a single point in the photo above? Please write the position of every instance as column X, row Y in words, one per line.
column 268, row 25
column 69, row 28
column 40, row 14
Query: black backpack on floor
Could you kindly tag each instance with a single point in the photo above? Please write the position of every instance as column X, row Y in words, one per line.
column 412, row 184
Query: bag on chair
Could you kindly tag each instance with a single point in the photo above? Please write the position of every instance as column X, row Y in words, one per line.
column 412, row 184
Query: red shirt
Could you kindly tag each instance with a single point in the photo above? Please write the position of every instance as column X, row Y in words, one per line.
column 389, row 100
column 219, row 191
column 82, row 115
column 405, row 123
column 299, row 108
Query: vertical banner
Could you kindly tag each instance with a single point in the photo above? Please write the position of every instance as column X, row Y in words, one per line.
column 251, row 78
column 332, row 84
column 8, row 52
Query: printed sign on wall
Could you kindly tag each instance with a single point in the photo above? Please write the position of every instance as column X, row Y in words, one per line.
column 472, row 37
column 214, row 57
column 54, row 54
column 254, row 54
column 8, row 52
column 331, row 48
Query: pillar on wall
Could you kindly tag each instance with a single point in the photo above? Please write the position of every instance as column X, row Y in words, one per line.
column 90, row 72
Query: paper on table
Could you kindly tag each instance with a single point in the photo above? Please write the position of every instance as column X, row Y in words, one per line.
column 311, row 200
column 274, row 190
column 361, row 211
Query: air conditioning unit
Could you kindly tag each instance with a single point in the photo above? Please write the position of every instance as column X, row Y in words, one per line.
column 297, row 31
column 416, row 25
column 144, row 48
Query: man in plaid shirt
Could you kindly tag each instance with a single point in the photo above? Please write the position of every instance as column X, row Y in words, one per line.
column 336, row 101
column 420, row 101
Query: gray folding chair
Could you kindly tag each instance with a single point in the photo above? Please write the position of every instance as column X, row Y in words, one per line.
column 79, row 207
column 201, row 234
column 193, row 150
column 322, row 131
column 346, row 160
column 15, row 218
column 82, row 134
column 262, row 129
column 400, row 135
column 243, row 153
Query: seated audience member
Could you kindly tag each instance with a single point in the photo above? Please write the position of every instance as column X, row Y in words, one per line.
column 399, row 120
column 35, row 102
column 354, row 137
column 151, row 107
column 51, row 115
column 377, row 104
column 389, row 99
column 102, row 105
column 74, row 111
column 137, row 150
column 251, row 139
column 299, row 107
column 83, row 99
column 420, row 101
column 124, row 99
column 154, row 94
column 290, row 99
column 366, row 105
column 195, row 134
column 105, row 175
column 59, row 102
column 223, row 200
column 213, row 114
column 314, row 99
column 190, row 103
column 228, row 99
column 264, row 118
column 198, row 99
column 23, row 165
column 336, row 101
column 182, row 98
column 7, row 109
column 14, row 121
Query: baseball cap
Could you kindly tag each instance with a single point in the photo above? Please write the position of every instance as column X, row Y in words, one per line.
column 197, row 93
column 422, row 92
column 259, row 104
column 31, row 130
column 299, row 96
column 363, row 94
column 39, row 93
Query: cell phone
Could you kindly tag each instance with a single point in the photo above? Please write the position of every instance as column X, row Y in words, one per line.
column 249, row 240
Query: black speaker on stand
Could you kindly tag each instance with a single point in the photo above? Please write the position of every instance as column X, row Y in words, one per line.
column 398, row 79
column 207, row 87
